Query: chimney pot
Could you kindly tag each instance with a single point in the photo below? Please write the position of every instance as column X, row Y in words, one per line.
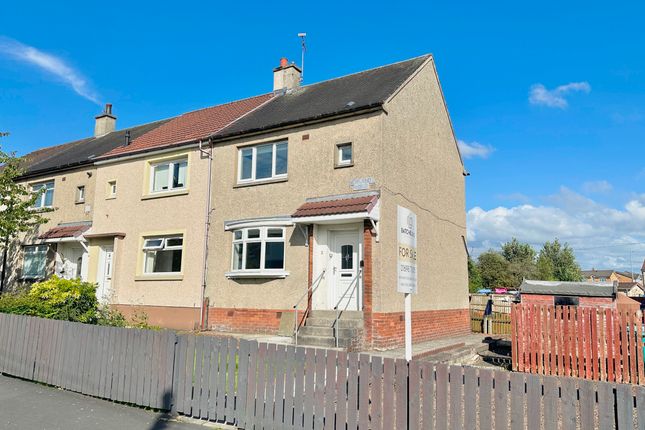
column 284, row 62
column 108, row 108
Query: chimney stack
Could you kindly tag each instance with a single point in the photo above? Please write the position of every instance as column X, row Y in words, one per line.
column 105, row 122
column 286, row 76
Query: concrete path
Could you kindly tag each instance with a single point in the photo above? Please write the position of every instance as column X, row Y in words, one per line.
column 30, row 406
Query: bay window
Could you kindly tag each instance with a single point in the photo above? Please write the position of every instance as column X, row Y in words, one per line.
column 263, row 162
column 258, row 249
column 162, row 254
column 168, row 176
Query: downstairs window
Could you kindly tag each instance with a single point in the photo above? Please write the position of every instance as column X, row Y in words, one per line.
column 258, row 249
column 163, row 254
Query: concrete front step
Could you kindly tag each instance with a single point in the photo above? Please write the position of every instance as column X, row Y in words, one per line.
column 309, row 330
column 330, row 322
column 345, row 315
column 323, row 341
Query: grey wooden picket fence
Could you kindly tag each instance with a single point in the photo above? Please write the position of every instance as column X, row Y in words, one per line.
column 266, row 386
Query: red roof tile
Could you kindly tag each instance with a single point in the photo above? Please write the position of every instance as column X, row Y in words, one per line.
column 64, row 231
column 191, row 126
column 336, row 206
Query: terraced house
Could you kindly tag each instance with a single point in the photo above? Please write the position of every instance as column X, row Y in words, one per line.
column 232, row 217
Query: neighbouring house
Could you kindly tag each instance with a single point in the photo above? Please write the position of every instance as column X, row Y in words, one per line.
column 631, row 288
column 230, row 217
column 66, row 177
column 583, row 294
column 153, row 197
column 608, row 275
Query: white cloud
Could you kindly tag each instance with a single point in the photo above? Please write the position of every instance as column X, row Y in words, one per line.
column 540, row 95
column 597, row 233
column 50, row 64
column 474, row 149
column 600, row 187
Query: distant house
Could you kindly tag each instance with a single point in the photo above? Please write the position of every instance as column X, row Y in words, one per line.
column 609, row 275
column 631, row 288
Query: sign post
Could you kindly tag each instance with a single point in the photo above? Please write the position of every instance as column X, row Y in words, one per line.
column 407, row 267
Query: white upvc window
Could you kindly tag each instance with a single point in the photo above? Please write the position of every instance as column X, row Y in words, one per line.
column 258, row 249
column 344, row 155
column 46, row 197
column 168, row 176
column 262, row 162
column 163, row 254
column 112, row 189
column 80, row 194
column 34, row 262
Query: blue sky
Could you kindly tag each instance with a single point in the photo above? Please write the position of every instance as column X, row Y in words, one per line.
column 548, row 99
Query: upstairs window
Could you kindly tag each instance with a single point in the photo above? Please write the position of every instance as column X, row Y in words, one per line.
column 163, row 254
column 111, row 189
column 34, row 262
column 168, row 176
column 258, row 249
column 263, row 162
column 344, row 155
column 80, row 194
column 46, row 197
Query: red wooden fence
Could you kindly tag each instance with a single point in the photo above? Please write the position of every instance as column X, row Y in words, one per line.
column 592, row 343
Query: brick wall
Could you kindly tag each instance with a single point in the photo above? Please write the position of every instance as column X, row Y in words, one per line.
column 241, row 320
column 388, row 329
column 547, row 299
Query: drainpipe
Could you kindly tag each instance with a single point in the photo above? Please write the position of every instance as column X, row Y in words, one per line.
column 5, row 251
column 207, row 224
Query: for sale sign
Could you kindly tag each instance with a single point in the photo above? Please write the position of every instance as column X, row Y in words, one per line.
column 407, row 253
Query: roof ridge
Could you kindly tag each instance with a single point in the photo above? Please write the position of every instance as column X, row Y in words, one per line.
column 366, row 70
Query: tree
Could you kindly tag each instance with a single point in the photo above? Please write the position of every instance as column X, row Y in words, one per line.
column 557, row 262
column 494, row 269
column 16, row 206
column 474, row 277
column 521, row 259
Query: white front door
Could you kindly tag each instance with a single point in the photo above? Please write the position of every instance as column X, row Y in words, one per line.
column 69, row 261
column 345, row 289
column 106, row 265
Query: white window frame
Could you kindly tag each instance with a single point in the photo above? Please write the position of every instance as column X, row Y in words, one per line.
column 80, row 194
column 254, row 149
column 40, row 201
column 263, row 239
column 112, row 188
column 339, row 154
column 171, row 169
column 162, row 246
column 24, row 260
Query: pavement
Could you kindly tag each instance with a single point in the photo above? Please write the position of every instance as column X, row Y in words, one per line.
column 31, row 406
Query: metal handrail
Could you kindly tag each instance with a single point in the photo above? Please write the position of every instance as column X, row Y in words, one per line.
column 312, row 290
column 351, row 286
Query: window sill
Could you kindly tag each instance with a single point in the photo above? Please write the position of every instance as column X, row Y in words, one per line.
column 262, row 182
column 110, row 198
column 342, row 166
column 79, row 202
column 32, row 278
column 160, row 277
column 278, row 274
column 164, row 194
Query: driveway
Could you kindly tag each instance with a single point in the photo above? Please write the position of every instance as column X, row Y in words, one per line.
column 30, row 406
